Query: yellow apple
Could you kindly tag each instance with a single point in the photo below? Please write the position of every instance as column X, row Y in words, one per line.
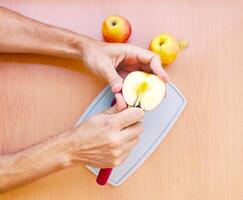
column 143, row 89
column 116, row 29
column 167, row 47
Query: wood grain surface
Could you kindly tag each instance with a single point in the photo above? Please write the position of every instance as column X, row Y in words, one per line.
column 202, row 156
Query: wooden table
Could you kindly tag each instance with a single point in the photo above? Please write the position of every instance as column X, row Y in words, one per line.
column 200, row 159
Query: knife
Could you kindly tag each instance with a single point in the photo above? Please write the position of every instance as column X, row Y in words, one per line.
column 105, row 173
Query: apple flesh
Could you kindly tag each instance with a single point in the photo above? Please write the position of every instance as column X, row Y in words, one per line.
column 144, row 90
column 116, row 29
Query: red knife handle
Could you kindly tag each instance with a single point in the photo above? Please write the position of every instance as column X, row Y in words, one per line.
column 104, row 174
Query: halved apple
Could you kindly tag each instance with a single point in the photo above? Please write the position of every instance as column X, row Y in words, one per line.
column 144, row 90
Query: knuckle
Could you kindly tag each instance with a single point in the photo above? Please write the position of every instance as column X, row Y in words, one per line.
column 115, row 153
column 116, row 162
column 93, row 120
column 136, row 113
column 139, row 113
column 114, row 141
column 107, row 122
column 140, row 128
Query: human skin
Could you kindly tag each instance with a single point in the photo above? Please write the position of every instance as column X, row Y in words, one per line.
column 105, row 139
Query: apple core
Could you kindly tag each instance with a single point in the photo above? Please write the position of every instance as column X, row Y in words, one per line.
column 142, row 88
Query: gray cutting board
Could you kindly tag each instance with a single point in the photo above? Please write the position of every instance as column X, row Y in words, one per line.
column 157, row 124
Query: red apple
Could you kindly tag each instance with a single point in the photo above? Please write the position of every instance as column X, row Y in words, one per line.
column 116, row 29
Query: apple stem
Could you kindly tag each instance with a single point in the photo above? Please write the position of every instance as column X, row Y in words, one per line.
column 183, row 44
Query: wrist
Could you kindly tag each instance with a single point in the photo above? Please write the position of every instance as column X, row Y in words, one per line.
column 68, row 145
column 62, row 149
column 75, row 146
column 78, row 44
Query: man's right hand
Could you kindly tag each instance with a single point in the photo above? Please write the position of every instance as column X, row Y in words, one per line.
column 106, row 139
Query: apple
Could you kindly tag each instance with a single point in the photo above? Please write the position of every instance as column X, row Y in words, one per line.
column 143, row 89
column 116, row 29
column 167, row 47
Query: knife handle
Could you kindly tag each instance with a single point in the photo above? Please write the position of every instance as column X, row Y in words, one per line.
column 104, row 174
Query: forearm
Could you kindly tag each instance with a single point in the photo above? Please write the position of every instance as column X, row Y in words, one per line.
column 19, row 34
column 34, row 162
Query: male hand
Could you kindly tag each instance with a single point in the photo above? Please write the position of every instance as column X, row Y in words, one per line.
column 106, row 139
column 115, row 61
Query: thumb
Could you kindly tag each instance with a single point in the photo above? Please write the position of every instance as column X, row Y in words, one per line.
column 114, row 79
column 118, row 104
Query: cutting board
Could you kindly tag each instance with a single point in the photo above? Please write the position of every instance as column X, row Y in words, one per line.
column 157, row 124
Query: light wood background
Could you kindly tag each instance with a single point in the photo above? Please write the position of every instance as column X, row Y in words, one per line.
column 200, row 159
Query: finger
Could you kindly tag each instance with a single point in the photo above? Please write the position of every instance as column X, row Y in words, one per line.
column 142, row 55
column 131, row 132
column 157, row 68
column 122, row 159
column 145, row 56
column 120, row 102
column 126, row 149
column 97, row 164
column 128, row 117
column 128, row 146
column 111, row 75
column 153, row 60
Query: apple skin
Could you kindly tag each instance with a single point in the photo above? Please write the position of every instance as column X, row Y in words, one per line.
column 167, row 47
column 116, row 29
